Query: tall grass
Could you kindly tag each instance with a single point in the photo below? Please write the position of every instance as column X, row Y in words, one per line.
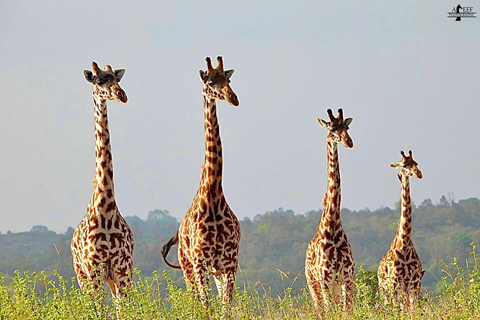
column 37, row 296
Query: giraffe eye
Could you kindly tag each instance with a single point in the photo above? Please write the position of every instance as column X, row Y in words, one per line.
column 100, row 82
column 210, row 82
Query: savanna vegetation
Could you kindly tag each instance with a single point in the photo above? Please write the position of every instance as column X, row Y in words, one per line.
column 270, row 284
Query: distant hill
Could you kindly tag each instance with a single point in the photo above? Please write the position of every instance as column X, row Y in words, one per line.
column 272, row 251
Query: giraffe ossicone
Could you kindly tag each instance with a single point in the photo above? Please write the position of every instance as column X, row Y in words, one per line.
column 209, row 235
column 329, row 263
column 102, row 245
column 400, row 271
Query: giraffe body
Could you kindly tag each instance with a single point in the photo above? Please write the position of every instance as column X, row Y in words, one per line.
column 102, row 245
column 209, row 234
column 400, row 271
column 329, row 263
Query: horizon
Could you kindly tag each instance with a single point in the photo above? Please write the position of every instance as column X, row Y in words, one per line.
column 144, row 217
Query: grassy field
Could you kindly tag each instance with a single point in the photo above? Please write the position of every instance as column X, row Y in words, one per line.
column 37, row 296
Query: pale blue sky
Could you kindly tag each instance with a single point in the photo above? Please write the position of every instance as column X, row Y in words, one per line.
column 407, row 74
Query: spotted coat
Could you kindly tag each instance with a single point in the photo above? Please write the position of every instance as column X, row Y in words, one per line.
column 400, row 271
column 329, row 263
column 102, row 245
column 209, row 234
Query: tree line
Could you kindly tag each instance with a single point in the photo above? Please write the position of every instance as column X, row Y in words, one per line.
column 273, row 245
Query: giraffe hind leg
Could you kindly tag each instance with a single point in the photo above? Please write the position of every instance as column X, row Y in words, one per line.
column 202, row 282
column 187, row 268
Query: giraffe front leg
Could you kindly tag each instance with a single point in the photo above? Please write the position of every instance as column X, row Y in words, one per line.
column 348, row 275
column 82, row 277
column 119, row 291
column 225, row 283
column 315, row 291
column 120, row 287
column 347, row 289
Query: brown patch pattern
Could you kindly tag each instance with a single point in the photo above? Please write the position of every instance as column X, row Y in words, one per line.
column 400, row 271
column 102, row 245
column 329, row 263
column 209, row 234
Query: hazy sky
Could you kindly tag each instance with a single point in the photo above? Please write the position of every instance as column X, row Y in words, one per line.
column 407, row 74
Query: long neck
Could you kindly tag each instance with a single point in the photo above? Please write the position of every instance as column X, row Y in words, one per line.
column 331, row 210
column 104, row 196
column 213, row 165
column 404, row 230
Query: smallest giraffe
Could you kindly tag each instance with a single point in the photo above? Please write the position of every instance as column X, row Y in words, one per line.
column 400, row 271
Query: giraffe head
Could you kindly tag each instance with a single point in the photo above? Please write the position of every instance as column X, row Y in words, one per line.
column 408, row 166
column 106, row 83
column 337, row 128
column 216, row 82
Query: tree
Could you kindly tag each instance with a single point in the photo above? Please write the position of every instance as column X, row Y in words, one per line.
column 39, row 229
column 159, row 214
column 444, row 201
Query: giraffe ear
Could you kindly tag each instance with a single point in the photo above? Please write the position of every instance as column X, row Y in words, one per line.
column 323, row 123
column 229, row 73
column 396, row 165
column 119, row 74
column 88, row 75
column 203, row 76
column 348, row 121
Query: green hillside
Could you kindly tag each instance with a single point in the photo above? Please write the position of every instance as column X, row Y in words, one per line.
column 272, row 250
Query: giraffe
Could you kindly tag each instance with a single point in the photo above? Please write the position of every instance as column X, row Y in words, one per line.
column 102, row 244
column 400, row 271
column 209, row 235
column 329, row 263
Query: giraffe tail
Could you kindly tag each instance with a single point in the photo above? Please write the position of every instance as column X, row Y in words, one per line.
column 166, row 249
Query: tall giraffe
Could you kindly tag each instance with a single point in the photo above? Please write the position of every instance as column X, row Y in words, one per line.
column 400, row 271
column 329, row 263
column 102, row 244
column 209, row 234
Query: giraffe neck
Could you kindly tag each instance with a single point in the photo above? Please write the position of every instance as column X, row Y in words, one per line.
column 404, row 230
column 104, row 196
column 331, row 210
column 213, row 165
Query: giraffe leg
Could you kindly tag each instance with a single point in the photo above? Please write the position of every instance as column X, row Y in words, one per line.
column 219, row 283
column 348, row 274
column 225, row 283
column 347, row 289
column 187, row 268
column 202, row 281
column 119, row 288
column 113, row 288
column 123, row 278
column 315, row 291
column 327, row 294
column 399, row 293
column 412, row 294
column 119, row 293
column 81, row 277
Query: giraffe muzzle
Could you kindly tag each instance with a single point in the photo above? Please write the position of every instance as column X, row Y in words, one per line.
column 121, row 96
column 419, row 174
column 348, row 142
column 231, row 98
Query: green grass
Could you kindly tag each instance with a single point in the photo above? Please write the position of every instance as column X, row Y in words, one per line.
column 38, row 296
